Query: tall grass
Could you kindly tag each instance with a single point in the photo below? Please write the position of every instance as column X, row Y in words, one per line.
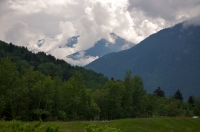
column 124, row 125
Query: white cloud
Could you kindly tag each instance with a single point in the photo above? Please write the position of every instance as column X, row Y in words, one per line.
column 82, row 61
column 169, row 10
column 19, row 34
column 62, row 52
column 147, row 28
column 67, row 30
column 25, row 22
column 193, row 21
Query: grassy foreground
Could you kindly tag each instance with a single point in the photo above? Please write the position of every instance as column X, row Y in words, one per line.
column 127, row 125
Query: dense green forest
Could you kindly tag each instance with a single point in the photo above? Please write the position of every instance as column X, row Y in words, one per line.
column 48, row 64
column 28, row 93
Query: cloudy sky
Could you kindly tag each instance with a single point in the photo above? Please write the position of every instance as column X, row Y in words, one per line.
column 24, row 22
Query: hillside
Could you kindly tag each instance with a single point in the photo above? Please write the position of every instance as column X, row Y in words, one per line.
column 38, row 86
column 48, row 65
column 169, row 59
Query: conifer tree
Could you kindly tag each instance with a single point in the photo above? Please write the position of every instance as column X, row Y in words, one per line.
column 191, row 101
column 178, row 95
column 159, row 92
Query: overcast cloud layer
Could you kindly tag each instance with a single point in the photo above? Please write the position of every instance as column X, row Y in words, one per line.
column 24, row 22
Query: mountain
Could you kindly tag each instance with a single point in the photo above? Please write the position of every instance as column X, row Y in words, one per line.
column 101, row 47
column 169, row 58
column 48, row 65
column 71, row 41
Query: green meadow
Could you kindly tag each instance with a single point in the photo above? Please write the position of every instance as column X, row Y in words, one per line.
column 178, row 124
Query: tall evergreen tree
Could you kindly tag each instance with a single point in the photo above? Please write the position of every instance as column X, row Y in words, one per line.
column 178, row 95
column 191, row 101
column 159, row 92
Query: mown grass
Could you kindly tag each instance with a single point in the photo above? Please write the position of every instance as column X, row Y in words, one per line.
column 127, row 125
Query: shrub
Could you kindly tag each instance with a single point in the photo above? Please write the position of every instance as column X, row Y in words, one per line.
column 94, row 128
column 20, row 127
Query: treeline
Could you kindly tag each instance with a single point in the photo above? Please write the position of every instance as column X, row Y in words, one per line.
column 30, row 95
column 48, row 64
column 128, row 99
column 34, row 86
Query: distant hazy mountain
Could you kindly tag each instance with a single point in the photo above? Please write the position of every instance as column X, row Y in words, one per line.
column 169, row 59
column 72, row 41
column 101, row 47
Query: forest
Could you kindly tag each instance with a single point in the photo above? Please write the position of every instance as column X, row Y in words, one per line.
column 48, row 64
column 35, row 86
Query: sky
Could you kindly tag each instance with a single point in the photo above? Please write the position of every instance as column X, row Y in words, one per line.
column 24, row 22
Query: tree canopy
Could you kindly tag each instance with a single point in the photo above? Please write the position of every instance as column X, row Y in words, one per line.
column 28, row 94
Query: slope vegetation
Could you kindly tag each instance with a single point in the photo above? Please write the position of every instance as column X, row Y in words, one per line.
column 169, row 59
column 48, row 65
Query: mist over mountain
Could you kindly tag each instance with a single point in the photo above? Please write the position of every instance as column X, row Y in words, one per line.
column 71, row 41
column 101, row 47
column 169, row 58
column 82, row 57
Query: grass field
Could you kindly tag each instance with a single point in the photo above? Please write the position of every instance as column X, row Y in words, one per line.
column 127, row 125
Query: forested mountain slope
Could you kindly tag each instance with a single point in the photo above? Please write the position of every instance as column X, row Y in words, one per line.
column 27, row 94
column 169, row 59
column 48, row 65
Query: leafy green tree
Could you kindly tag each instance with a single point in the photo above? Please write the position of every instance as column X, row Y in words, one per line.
column 186, row 109
column 172, row 109
column 79, row 101
column 196, row 108
column 101, row 99
column 8, row 83
column 8, row 76
column 58, row 103
column 22, row 64
column 8, row 112
column 114, row 99
column 138, row 95
column 150, row 103
column 127, row 97
column 2, row 104
column 196, row 111
column 133, row 94
column 43, row 97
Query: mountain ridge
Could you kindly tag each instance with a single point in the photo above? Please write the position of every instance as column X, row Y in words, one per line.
column 48, row 64
column 160, row 60
column 103, row 47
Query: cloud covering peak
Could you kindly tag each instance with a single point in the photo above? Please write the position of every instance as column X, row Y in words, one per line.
column 25, row 22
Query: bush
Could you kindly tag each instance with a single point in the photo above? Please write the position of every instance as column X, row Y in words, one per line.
column 19, row 127
column 94, row 128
